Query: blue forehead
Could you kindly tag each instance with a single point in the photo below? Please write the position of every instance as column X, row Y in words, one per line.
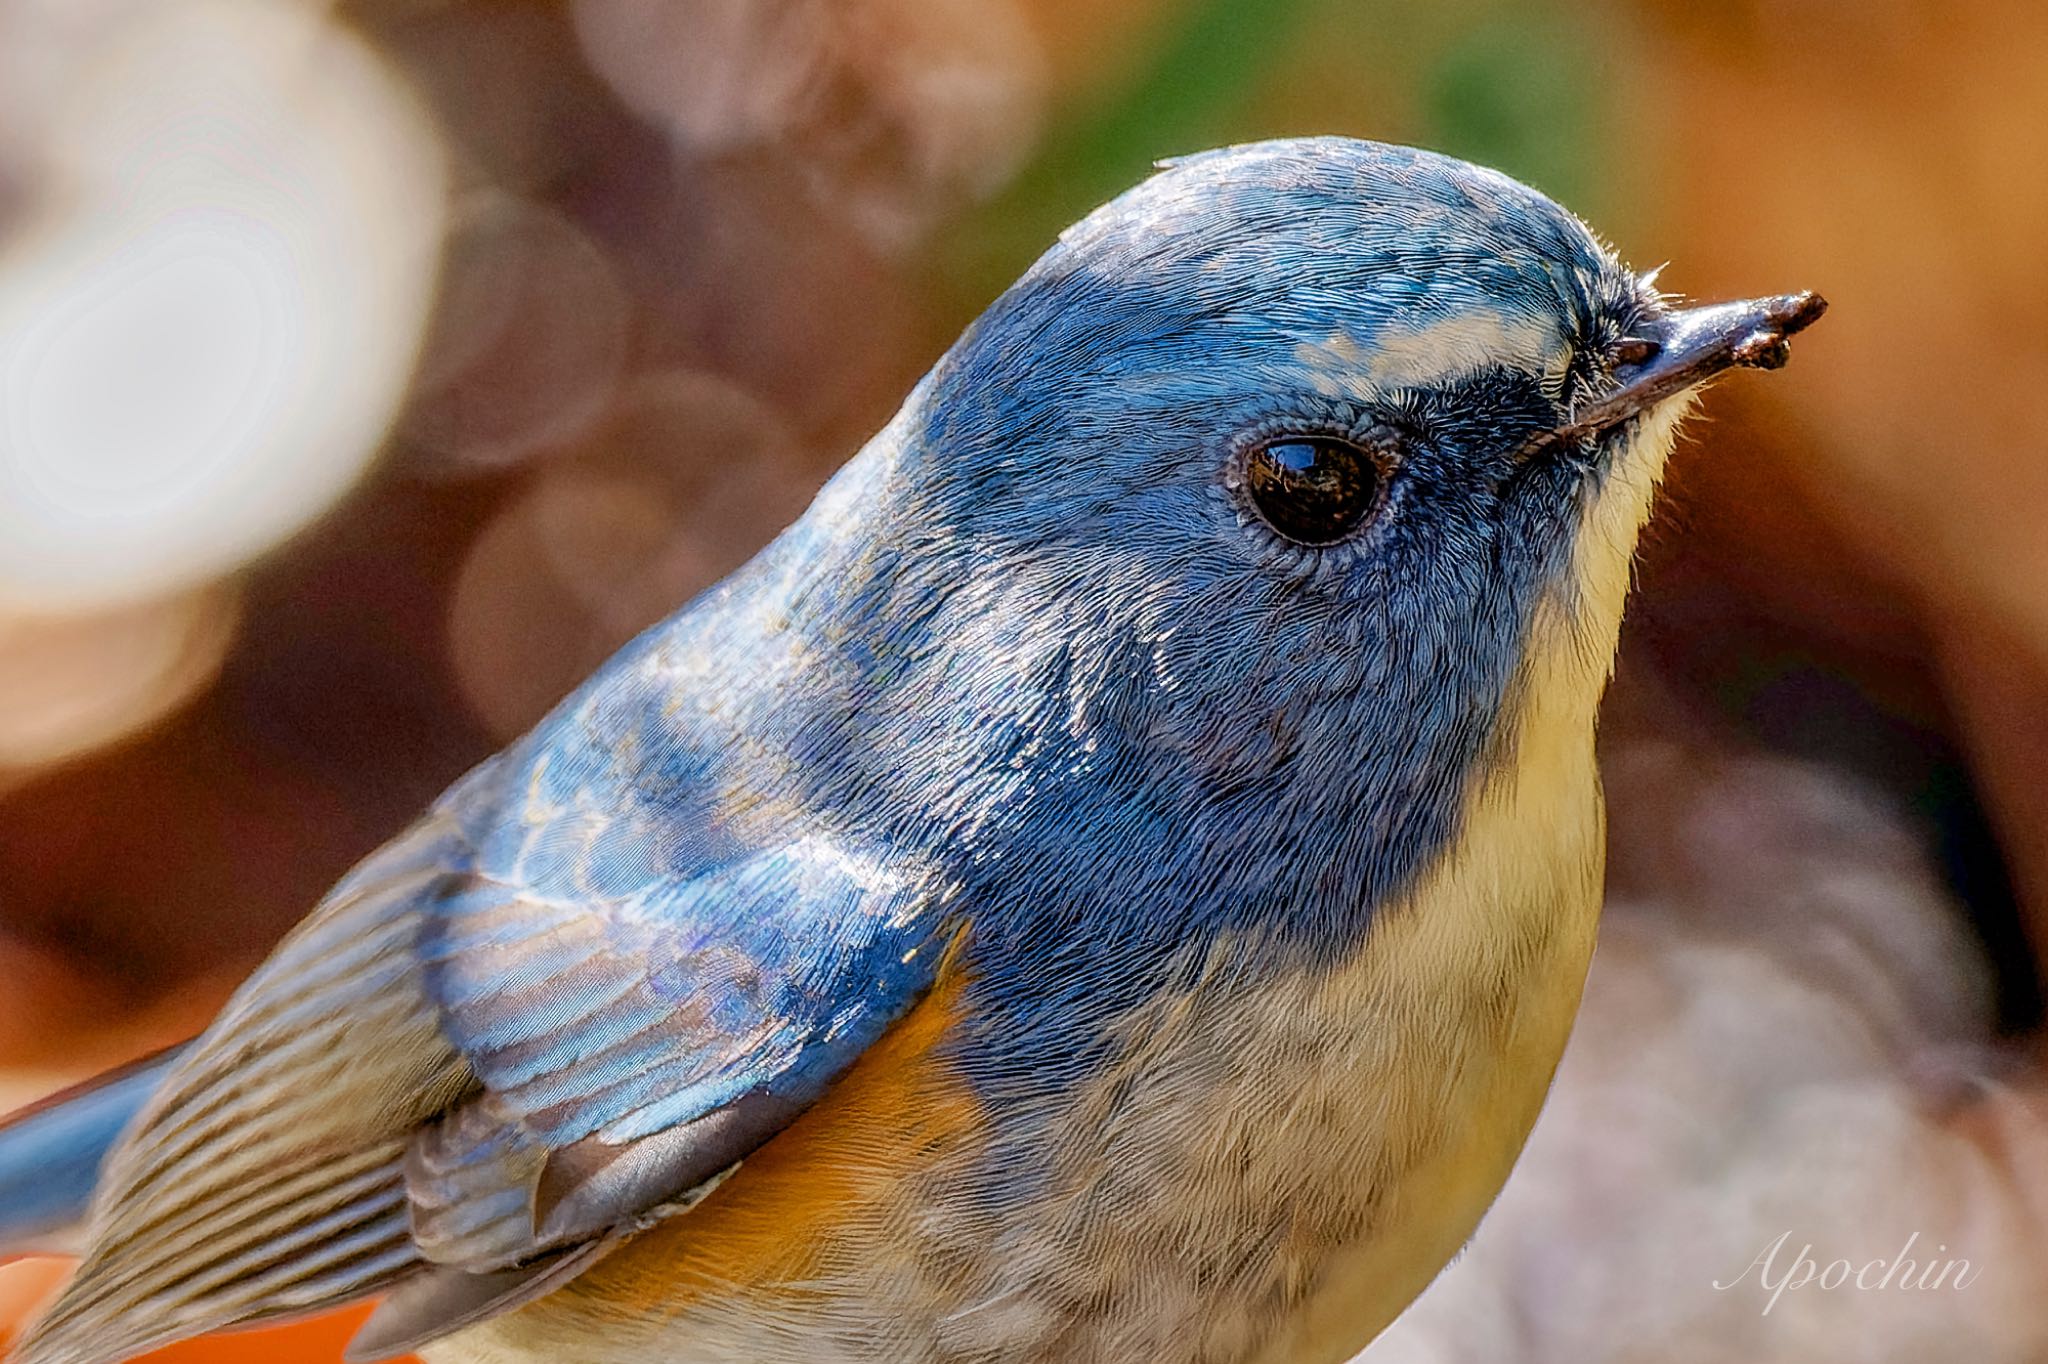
column 1343, row 248
column 1362, row 216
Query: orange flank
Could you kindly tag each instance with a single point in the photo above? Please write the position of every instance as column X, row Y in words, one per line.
column 838, row 1167
column 25, row 1285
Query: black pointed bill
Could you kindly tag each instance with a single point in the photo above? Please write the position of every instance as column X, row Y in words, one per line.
column 1676, row 351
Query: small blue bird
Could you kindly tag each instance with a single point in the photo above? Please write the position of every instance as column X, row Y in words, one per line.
column 1111, row 883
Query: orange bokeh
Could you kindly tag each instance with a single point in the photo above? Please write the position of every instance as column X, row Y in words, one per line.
column 318, row 1340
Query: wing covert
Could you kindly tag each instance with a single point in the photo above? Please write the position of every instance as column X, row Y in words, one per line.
column 633, row 1048
column 561, row 1008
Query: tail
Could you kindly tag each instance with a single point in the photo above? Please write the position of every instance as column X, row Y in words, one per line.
column 50, row 1155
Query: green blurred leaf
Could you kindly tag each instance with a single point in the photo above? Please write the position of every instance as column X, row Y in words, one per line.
column 1520, row 92
column 1189, row 94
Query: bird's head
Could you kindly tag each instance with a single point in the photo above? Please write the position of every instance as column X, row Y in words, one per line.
column 1304, row 462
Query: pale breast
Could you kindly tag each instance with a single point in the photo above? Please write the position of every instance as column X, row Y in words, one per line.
column 1284, row 1168
column 1278, row 1185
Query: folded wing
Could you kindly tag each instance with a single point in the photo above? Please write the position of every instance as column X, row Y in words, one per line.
column 552, row 1013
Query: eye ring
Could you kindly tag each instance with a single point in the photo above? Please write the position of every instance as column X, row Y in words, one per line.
column 1314, row 488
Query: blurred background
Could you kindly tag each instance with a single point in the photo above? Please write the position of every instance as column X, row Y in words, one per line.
column 369, row 371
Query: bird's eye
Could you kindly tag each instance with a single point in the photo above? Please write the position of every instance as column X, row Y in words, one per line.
column 1314, row 490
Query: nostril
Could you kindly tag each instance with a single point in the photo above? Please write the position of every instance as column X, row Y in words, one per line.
column 1633, row 350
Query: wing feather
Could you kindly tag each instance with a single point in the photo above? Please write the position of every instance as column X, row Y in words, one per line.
column 265, row 1179
column 549, row 1015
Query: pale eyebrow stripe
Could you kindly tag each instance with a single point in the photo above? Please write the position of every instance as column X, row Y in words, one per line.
column 1435, row 354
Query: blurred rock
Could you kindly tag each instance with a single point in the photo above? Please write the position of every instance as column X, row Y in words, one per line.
column 1801, row 863
column 2000, row 695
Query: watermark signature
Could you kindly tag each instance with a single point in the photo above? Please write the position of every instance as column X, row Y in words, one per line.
column 1901, row 1271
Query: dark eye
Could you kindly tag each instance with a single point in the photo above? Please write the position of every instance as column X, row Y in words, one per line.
column 1313, row 489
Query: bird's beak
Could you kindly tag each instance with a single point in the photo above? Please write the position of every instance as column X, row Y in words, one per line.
column 1674, row 351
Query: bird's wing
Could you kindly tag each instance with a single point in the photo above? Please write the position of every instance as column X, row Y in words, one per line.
column 630, row 1058
column 263, row 1178
column 51, row 1151
column 549, row 1014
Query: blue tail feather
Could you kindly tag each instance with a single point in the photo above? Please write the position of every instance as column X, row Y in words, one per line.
column 51, row 1152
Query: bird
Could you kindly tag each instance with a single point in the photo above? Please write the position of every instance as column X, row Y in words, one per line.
column 1112, row 881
